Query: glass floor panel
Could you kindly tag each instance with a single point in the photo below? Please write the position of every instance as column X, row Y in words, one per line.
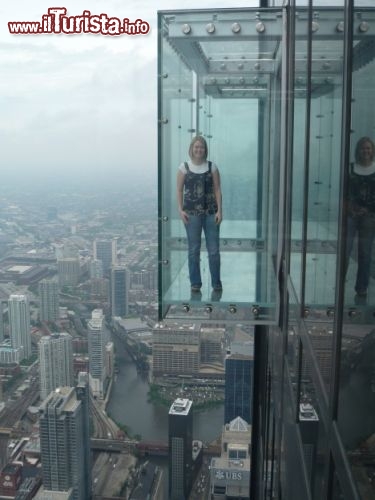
column 238, row 275
column 239, row 300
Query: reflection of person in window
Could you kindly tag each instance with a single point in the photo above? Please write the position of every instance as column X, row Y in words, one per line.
column 361, row 210
column 199, row 205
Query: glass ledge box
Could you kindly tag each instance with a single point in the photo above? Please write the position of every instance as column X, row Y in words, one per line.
column 229, row 75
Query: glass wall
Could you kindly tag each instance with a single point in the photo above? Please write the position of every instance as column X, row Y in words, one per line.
column 327, row 324
column 356, row 404
column 330, row 347
column 217, row 74
column 282, row 97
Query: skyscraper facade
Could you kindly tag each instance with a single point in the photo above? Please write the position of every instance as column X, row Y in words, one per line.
column 1, row 322
column 69, row 271
column 96, row 344
column 180, row 436
column 83, row 395
column 56, row 362
column 64, row 443
column 96, row 269
column 230, row 473
column 49, row 300
column 19, row 323
column 119, row 291
column 176, row 349
column 106, row 252
column 239, row 366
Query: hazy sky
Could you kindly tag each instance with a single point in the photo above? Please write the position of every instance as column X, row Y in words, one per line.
column 81, row 103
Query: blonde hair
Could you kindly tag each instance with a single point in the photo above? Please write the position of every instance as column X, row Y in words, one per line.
column 202, row 140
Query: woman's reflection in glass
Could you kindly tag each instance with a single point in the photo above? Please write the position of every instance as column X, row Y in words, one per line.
column 361, row 211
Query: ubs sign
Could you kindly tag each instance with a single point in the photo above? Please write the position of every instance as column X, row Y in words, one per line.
column 228, row 475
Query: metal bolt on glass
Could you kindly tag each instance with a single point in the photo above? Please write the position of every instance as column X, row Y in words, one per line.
column 236, row 28
column 363, row 27
column 340, row 27
column 255, row 310
column 210, row 28
column 186, row 29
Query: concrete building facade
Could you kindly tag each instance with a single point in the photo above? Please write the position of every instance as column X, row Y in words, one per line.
column 64, row 443
column 56, row 362
column 19, row 323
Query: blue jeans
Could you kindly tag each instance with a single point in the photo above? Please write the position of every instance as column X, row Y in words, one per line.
column 364, row 227
column 194, row 228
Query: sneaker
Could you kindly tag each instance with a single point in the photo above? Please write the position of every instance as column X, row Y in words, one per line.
column 195, row 288
column 361, row 293
column 218, row 288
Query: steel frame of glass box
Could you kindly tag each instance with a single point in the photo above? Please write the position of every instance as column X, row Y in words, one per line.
column 282, row 96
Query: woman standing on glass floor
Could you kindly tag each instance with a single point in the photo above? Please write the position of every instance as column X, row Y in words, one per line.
column 200, row 208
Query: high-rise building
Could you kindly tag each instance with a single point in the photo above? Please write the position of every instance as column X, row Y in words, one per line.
column 96, row 269
column 211, row 346
column 180, row 438
column 19, row 323
column 1, row 322
column 97, row 354
column 56, row 362
column 83, row 395
column 146, row 279
column 175, row 349
column 106, row 252
column 49, row 300
column 69, row 271
column 109, row 359
column 64, row 442
column 230, row 473
column 119, row 291
column 239, row 366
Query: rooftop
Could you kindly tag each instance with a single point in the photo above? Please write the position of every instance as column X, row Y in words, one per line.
column 180, row 407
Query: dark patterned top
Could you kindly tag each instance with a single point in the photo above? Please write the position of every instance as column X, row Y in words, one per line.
column 361, row 193
column 199, row 196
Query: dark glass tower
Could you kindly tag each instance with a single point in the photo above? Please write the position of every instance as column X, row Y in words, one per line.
column 239, row 383
column 119, row 291
column 82, row 392
column 180, row 449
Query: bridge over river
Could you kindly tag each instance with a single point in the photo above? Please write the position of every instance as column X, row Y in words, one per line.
column 143, row 448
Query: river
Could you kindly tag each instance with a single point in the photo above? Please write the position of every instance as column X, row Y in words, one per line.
column 128, row 405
